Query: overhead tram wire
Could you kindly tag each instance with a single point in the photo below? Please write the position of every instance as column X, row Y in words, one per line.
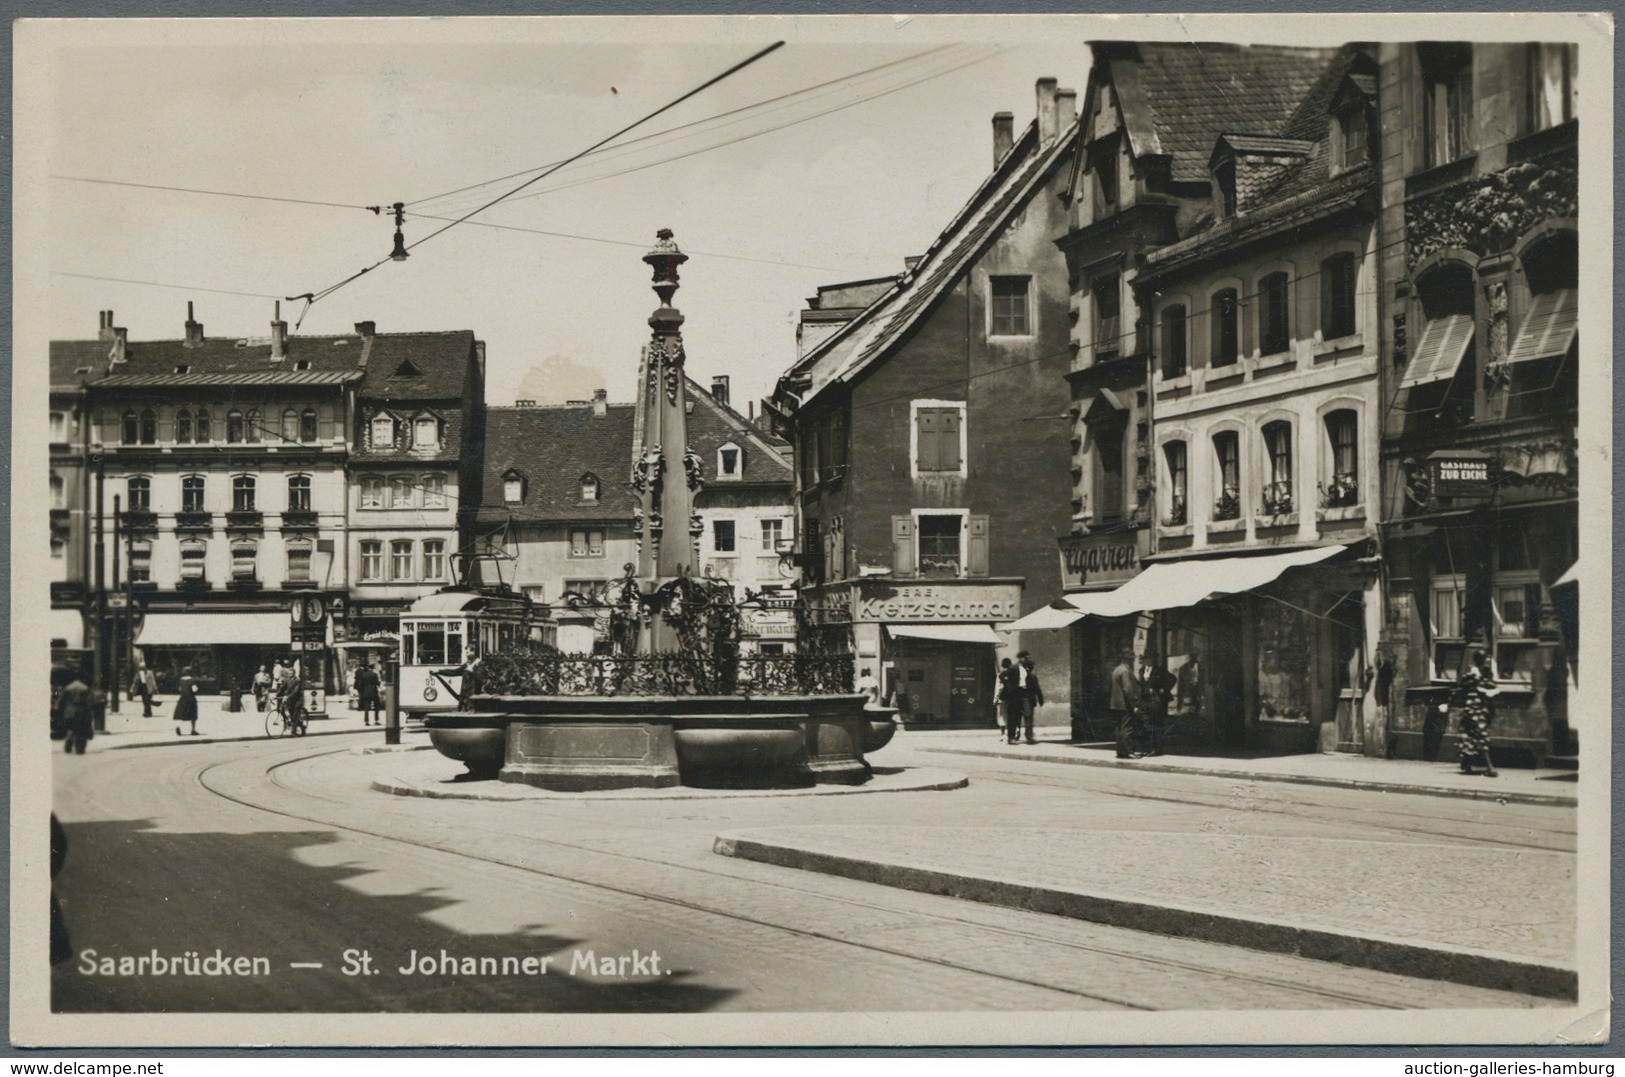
column 161, row 284
column 315, row 297
column 204, row 190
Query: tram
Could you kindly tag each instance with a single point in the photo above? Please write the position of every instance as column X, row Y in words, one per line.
column 444, row 633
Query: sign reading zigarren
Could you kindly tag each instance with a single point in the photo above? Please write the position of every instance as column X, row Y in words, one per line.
column 1087, row 560
column 938, row 602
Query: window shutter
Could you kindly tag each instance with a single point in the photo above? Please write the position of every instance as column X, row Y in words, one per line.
column 927, row 456
column 902, row 545
column 976, row 547
column 948, row 440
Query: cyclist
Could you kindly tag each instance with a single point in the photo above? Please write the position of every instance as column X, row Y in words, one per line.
column 293, row 701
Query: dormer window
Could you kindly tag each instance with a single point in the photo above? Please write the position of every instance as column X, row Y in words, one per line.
column 1352, row 134
column 513, row 487
column 730, row 461
column 426, row 432
column 589, row 488
column 383, row 432
column 1224, row 187
column 1351, row 120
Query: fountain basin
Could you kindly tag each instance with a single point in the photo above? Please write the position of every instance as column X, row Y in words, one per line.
column 477, row 745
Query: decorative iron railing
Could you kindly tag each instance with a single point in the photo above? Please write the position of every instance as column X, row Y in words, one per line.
column 681, row 674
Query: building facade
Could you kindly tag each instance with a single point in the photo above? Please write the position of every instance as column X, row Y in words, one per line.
column 73, row 363
column 925, row 432
column 1481, row 353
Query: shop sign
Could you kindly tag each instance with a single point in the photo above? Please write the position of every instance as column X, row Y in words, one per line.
column 1093, row 560
column 1461, row 474
column 776, row 622
column 937, row 602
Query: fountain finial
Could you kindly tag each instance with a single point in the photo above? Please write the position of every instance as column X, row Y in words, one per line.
column 664, row 259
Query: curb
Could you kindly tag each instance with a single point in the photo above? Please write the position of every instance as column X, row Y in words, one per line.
column 518, row 793
column 1402, row 958
column 1549, row 799
column 179, row 741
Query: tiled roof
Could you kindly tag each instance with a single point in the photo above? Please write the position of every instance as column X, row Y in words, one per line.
column 70, row 357
column 419, row 366
column 1178, row 96
column 712, row 425
column 267, row 377
column 552, row 447
column 235, row 357
column 1313, row 115
column 451, row 443
column 1269, row 145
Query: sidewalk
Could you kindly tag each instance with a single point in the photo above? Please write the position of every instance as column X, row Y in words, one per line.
column 1340, row 770
column 128, row 729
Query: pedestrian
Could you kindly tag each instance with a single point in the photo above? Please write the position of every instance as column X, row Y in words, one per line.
column 77, row 707
column 1156, row 693
column 1125, row 699
column 366, row 686
column 1000, row 707
column 1473, row 691
column 1190, row 685
column 869, row 687
column 145, row 685
column 1032, row 698
column 1013, row 692
column 186, row 703
column 262, row 688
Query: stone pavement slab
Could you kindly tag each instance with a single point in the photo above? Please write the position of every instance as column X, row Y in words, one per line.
column 128, row 729
column 1342, row 770
column 1478, row 915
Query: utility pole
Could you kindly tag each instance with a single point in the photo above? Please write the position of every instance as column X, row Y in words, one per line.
column 117, row 645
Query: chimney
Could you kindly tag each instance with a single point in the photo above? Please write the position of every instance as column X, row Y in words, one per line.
column 1047, row 128
column 1066, row 109
column 366, row 329
column 121, row 344
column 106, row 330
column 1003, row 136
column 279, row 335
column 719, row 388
column 194, row 329
column 600, row 403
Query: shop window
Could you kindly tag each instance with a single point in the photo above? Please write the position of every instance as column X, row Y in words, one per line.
column 183, row 427
column 434, row 491
column 1337, row 282
column 372, row 560
column 372, row 492
column 401, row 492
column 1108, row 299
column 204, row 425
column 1551, row 92
column 937, row 439
column 939, row 545
column 141, row 562
column 1447, row 616
column 1227, row 464
column 1274, row 322
column 1277, row 492
column 1225, row 314
column 434, row 559
column 1009, row 306
column 140, row 490
column 587, row 542
column 193, row 561
column 1174, row 341
column 722, row 536
column 307, row 426
column 299, row 563
column 299, row 493
column 400, row 559
column 1174, row 461
column 1447, row 100
column 242, row 493
column 290, row 426
column 234, row 427
column 192, row 493
column 1342, row 489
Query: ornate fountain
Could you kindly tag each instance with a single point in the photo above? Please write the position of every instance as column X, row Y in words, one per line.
column 671, row 700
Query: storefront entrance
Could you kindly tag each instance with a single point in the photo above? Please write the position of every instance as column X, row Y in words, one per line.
column 943, row 683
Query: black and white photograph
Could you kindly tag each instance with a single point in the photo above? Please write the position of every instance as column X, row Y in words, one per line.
column 824, row 531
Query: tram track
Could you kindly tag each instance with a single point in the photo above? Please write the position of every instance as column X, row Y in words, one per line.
column 279, row 774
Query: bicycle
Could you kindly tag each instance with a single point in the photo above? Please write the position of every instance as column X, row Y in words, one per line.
column 281, row 724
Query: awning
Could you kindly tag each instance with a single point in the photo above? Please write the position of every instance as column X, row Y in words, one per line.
column 1549, row 327
column 1057, row 614
column 1439, row 352
column 950, row 633
column 202, row 629
column 67, row 626
column 442, row 602
column 1571, row 576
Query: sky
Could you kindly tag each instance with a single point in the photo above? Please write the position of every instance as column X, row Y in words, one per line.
column 830, row 159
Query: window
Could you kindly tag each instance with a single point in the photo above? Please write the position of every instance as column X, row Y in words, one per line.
column 536, row 592
column 1173, row 455
column 299, row 562
column 722, row 536
column 1517, row 600
column 401, row 492
column 1103, row 166
column 1448, row 614
column 204, row 433
column 434, row 491
column 1446, row 343
column 937, row 439
column 234, row 427
column 59, row 551
column 1342, row 436
column 434, row 559
column 193, row 560
column 132, row 428
column 140, row 489
column 1108, row 299
column 1337, row 275
column 242, row 560
column 1174, row 354
column 383, row 433
column 772, row 535
column 149, row 427
column 939, row 544
column 1550, row 93
column 426, row 432
column 1274, row 323
column 183, row 427
column 253, row 426
column 730, row 459
column 1009, row 306
column 400, row 559
column 307, row 426
column 1227, row 458
column 513, row 488
column 290, row 426
column 1108, row 438
column 1447, row 100
column 242, row 493
column 372, row 492
column 372, row 560
column 299, row 493
column 192, row 493
column 586, row 543
column 1277, row 498
column 1226, row 345
column 1224, row 182
column 59, row 491
column 59, row 426
column 1353, row 141
column 589, row 488
column 141, row 562
column 597, row 589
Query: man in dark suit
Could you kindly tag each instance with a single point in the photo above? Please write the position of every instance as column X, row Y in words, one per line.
column 1125, row 699
column 1032, row 699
